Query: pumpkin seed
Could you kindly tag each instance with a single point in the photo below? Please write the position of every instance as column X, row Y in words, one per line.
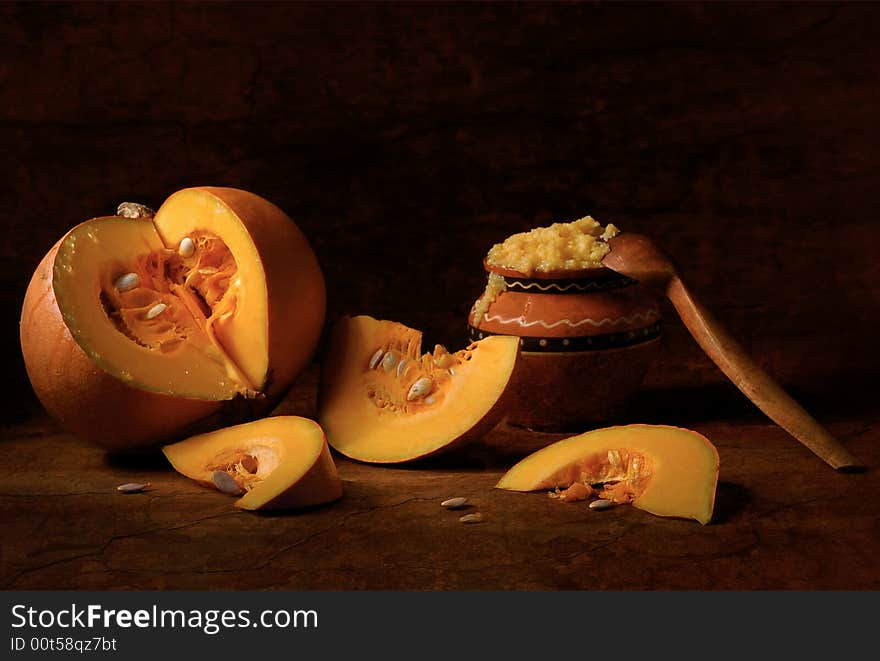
column 375, row 359
column 134, row 210
column 389, row 361
column 155, row 311
column 132, row 487
column 401, row 366
column 476, row 517
column 187, row 247
column 224, row 482
column 126, row 282
column 420, row 388
column 601, row 504
column 454, row 503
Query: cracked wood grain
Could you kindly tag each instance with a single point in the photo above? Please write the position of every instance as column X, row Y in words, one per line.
column 389, row 531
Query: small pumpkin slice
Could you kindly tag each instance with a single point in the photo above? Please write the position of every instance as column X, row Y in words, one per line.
column 382, row 401
column 282, row 462
column 667, row 471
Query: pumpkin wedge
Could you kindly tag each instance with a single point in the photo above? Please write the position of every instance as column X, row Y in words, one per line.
column 667, row 471
column 382, row 401
column 282, row 462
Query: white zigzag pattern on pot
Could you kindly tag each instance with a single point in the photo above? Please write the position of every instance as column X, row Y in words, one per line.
column 644, row 317
column 572, row 285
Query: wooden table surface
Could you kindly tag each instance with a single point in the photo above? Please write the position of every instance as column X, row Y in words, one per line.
column 783, row 519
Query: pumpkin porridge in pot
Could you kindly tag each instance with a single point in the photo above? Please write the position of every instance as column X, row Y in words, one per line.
column 587, row 334
column 573, row 246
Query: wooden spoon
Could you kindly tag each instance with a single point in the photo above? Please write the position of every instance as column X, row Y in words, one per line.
column 636, row 256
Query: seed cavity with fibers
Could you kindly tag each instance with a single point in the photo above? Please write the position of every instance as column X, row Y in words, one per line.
column 155, row 311
column 187, row 247
column 249, row 464
column 454, row 503
column 420, row 388
column 126, row 282
column 614, row 458
column 577, row 491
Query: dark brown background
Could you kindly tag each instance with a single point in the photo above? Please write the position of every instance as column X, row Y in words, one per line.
column 405, row 139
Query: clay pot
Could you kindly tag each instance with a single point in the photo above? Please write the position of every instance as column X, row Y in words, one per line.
column 587, row 339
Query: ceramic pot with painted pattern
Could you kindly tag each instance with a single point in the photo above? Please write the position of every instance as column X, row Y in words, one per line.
column 587, row 339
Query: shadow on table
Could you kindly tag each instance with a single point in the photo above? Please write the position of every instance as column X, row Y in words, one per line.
column 689, row 407
column 837, row 397
column 730, row 498
column 151, row 459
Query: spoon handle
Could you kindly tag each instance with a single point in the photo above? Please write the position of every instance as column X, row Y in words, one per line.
column 754, row 382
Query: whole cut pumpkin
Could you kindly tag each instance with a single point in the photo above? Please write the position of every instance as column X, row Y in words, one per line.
column 140, row 330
